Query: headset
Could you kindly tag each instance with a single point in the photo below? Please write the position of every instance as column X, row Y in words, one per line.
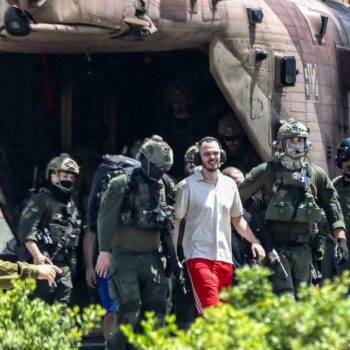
column 197, row 156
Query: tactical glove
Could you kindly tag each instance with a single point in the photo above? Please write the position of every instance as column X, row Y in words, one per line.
column 318, row 247
column 341, row 252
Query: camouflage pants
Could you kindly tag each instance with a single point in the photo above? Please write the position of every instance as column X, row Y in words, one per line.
column 184, row 306
column 297, row 261
column 60, row 292
column 139, row 284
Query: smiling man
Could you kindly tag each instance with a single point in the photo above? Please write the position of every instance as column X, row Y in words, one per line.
column 209, row 201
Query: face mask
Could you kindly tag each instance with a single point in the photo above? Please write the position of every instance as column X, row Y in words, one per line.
column 295, row 150
column 290, row 163
column 66, row 185
column 155, row 173
column 151, row 170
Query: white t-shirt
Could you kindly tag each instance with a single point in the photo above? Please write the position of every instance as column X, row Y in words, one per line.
column 208, row 209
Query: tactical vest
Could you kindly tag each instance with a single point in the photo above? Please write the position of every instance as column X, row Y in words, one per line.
column 143, row 197
column 344, row 199
column 293, row 198
column 62, row 223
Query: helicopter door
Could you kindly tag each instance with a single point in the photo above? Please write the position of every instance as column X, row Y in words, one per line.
column 247, row 100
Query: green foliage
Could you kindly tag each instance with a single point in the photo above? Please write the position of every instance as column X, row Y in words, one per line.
column 31, row 324
column 255, row 319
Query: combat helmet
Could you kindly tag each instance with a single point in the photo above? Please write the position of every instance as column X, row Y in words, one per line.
column 189, row 159
column 292, row 128
column 343, row 152
column 62, row 163
column 191, row 151
column 156, row 157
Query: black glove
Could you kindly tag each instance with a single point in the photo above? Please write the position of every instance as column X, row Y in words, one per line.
column 341, row 253
column 318, row 246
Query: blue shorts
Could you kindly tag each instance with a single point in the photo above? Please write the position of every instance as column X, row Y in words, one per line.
column 107, row 303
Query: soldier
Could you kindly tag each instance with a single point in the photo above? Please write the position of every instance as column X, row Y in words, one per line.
column 189, row 159
column 184, row 305
column 179, row 126
column 11, row 271
column 240, row 153
column 294, row 191
column 330, row 264
column 49, row 227
column 138, row 280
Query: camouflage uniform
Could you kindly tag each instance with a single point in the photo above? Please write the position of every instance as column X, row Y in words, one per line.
column 329, row 267
column 291, row 206
column 138, row 280
column 50, row 219
column 11, row 271
column 184, row 305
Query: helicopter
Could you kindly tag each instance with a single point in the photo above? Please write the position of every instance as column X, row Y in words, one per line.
column 271, row 59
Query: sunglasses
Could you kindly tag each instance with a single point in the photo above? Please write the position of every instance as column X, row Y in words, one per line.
column 232, row 138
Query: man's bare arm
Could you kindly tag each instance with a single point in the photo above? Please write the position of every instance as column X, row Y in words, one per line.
column 89, row 247
column 38, row 257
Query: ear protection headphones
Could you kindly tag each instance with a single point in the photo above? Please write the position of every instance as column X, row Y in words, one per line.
column 197, row 156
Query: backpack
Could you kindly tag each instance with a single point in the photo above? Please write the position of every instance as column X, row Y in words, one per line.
column 112, row 166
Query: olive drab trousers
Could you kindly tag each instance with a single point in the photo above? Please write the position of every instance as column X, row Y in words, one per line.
column 329, row 267
column 60, row 291
column 297, row 261
column 139, row 284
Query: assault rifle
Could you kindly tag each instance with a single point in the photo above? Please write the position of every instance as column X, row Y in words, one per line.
column 163, row 218
column 258, row 226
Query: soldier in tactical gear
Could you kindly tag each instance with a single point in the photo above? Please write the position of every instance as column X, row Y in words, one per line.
column 189, row 159
column 184, row 305
column 294, row 191
column 240, row 153
column 129, row 241
column 49, row 227
column 333, row 263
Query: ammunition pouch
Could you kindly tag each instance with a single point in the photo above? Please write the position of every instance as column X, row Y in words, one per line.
column 281, row 208
column 137, row 219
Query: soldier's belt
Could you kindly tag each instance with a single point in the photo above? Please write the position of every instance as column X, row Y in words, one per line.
column 293, row 238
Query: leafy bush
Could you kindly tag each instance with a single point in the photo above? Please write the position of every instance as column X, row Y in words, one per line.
column 254, row 318
column 31, row 324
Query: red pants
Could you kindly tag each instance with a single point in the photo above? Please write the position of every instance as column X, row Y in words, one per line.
column 208, row 278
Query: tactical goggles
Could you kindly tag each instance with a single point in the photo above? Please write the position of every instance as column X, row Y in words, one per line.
column 162, row 167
